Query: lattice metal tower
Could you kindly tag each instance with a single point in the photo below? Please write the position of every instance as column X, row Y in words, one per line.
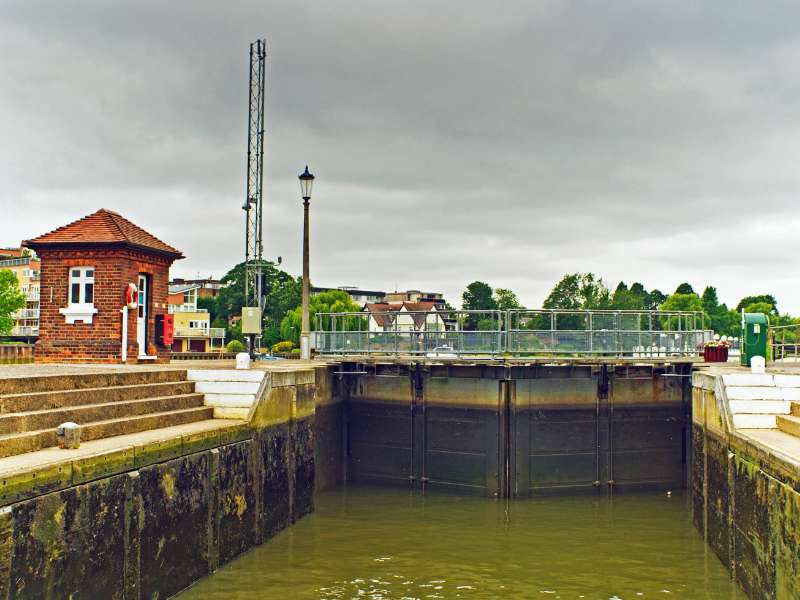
column 254, row 247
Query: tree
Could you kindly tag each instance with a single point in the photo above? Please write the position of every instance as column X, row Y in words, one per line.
column 11, row 300
column 760, row 307
column 747, row 300
column 634, row 298
column 655, row 299
column 710, row 300
column 579, row 291
column 680, row 303
column 478, row 296
column 283, row 293
column 209, row 304
column 506, row 299
column 684, row 289
column 334, row 301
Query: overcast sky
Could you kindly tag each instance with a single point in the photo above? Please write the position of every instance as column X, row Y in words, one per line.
column 508, row 142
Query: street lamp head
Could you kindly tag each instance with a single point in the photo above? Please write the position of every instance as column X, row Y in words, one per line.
column 306, row 182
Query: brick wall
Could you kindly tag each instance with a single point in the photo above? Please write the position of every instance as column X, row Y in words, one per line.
column 100, row 341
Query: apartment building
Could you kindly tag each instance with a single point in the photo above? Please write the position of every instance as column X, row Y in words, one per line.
column 193, row 331
column 27, row 267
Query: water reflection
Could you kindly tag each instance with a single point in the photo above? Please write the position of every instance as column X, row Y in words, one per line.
column 379, row 544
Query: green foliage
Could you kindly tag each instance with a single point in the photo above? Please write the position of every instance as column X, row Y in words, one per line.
column 11, row 300
column 655, row 299
column 336, row 301
column 760, row 307
column 478, row 296
column 295, row 352
column 235, row 346
column 680, row 302
column 629, row 299
column 209, row 304
column 684, row 289
column 748, row 300
column 506, row 299
column 283, row 294
column 579, row 291
column 285, row 346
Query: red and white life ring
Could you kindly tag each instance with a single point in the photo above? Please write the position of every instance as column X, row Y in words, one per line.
column 131, row 296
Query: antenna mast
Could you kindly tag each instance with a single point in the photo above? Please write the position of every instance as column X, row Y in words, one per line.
column 254, row 246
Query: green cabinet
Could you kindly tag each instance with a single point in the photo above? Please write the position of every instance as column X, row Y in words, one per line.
column 755, row 331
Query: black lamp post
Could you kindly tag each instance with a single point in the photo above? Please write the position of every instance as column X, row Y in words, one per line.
column 306, row 183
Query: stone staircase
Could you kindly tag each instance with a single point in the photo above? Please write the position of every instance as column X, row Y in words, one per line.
column 790, row 423
column 764, row 401
column 105, row 405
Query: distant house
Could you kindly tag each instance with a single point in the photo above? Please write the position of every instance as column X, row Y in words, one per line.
column 193, row 331
column 416, row 296
column 404, row 316
column 206, row 288
column 358, row 296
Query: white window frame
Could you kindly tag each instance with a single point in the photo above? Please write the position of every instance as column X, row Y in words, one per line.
column 78, row 309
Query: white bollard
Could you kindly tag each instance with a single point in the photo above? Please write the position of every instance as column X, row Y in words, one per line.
column 243, row 360
column 68, row 435
column 758, row 365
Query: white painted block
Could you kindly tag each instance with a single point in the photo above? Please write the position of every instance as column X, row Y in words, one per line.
column 747, row 379
column 755, row 421
column 224, row 375
column 753, row 393
column 791, row 394
column 779, row 407
column 230, row 400
column 787, row 381
column 231, row 413
column 227, row 387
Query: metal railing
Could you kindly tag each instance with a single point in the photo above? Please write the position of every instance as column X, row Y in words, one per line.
column 183, row 308
column 26, row 313
column 25, row 331
column 200, row 332
column 784, row 341
column 15, row 262
column 514, row 332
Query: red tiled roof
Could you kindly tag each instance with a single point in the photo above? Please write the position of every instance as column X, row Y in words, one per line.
column 103, row 227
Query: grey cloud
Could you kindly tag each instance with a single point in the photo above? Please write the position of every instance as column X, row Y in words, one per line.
column 452, row 141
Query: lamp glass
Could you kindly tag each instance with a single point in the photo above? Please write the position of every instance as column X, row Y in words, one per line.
column 306, row 183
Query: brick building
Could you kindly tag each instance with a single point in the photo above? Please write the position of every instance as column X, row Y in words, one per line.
column 85, row 268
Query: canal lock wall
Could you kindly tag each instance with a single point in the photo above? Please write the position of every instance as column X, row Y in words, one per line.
column 506, row 430
column 745, row 499
column 148, row 521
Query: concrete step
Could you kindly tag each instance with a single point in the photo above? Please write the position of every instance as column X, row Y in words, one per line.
column 60, row 399
column 789, row 424
column 775, row 407
column 89, row 413
column 751, row 421
column 795, row 409
column 74, row 381
column 227, row 387
column 31, row 441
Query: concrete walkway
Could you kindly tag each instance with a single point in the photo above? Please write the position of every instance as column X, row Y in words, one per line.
column 44, row 370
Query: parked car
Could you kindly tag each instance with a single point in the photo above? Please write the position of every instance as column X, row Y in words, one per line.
column 442, row 352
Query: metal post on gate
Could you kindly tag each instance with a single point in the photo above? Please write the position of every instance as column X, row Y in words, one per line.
column 591, row 333
column 396, row 336
column 553, row 332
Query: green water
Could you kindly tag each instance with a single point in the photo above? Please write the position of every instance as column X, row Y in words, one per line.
column 382, row 544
